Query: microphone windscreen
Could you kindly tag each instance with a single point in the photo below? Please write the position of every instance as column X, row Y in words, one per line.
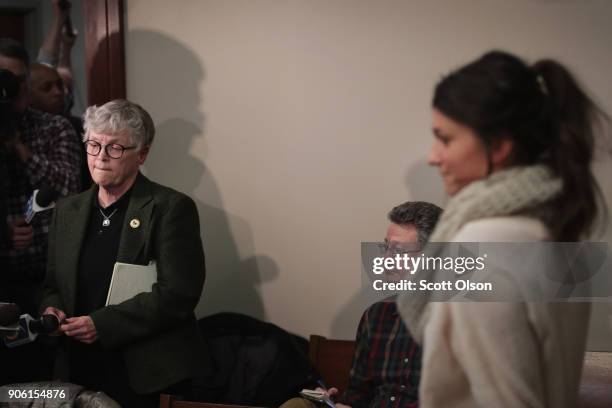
column 46, row 195
column 50, row 323
column 45, row 325
column 9, row 314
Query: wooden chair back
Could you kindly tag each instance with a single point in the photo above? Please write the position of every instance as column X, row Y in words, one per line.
column 171, row 401
column 332, row 359
column 596, row 384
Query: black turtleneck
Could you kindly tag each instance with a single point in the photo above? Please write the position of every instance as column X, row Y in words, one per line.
column 99, row 254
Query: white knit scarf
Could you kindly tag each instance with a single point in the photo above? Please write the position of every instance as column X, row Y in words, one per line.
column 505, row 192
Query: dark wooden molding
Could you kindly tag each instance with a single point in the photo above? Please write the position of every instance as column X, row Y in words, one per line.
column 104, row 50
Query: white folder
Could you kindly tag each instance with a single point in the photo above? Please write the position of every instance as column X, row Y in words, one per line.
column 129, row 280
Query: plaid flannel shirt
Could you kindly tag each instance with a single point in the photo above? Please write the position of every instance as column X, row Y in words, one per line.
column 387, row 364
column 55, row 162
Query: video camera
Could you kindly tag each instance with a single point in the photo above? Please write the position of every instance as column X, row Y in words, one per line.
column 9, row 89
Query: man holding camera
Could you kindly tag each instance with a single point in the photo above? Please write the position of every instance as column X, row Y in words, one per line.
column 37, row 150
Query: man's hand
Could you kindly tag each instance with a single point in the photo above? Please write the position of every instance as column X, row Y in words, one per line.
column 21, row 233
column 331, row 392
column 82, row 328
column 61, row 316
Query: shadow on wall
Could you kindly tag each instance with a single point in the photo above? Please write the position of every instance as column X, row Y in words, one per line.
column 171, row 90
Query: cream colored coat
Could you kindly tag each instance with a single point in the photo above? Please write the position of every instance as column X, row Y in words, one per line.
column 503, row 354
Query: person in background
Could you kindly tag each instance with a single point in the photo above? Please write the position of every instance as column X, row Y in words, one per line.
column 386, row 367
column 149, row 343
column 42, row 152
column 64, row 68
column 47, row 95
column 52, row 79
column 47, row 89
column 37, row 150
column 9, row 88
column 56, row 49
column 514, row 144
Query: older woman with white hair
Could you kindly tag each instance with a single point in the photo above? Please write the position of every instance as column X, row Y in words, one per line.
column 148, row 343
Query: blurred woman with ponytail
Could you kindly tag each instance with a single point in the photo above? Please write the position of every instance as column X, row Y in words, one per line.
column 514, row 145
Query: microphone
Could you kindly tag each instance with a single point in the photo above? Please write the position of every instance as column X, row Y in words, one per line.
column 47, row 324
column 41, row 200
column 29, row 328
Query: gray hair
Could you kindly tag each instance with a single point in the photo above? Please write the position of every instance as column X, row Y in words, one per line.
column 120, row 116
column 423, row 215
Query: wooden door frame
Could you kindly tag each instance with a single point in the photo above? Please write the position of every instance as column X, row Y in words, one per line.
column 104, row 51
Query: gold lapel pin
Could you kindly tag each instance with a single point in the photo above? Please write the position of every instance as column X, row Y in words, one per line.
column 135, row 223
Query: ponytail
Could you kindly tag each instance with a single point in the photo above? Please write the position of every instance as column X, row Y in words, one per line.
column 573, row 117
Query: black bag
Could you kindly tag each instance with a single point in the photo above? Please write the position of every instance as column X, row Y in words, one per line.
column 253, row 362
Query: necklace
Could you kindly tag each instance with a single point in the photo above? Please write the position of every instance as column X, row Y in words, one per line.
column 106, row 221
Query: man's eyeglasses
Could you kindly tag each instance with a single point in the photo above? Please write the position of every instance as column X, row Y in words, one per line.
column 113, row 150
column 393, row 248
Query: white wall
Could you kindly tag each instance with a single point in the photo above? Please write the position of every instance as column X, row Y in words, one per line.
column 297, row 124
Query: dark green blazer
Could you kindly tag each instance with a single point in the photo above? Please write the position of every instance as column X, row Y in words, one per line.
column 155, row 331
